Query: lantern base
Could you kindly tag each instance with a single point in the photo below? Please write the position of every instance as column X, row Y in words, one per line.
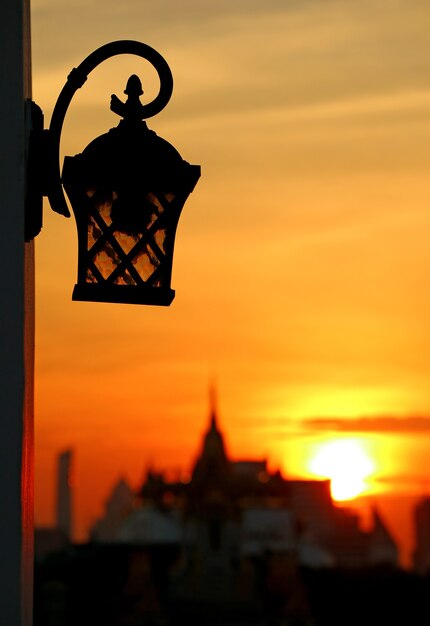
column 123, row 294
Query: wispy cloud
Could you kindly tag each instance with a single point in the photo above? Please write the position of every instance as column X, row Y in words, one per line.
column 380, row 424
column 403, row 479
column 377, row 424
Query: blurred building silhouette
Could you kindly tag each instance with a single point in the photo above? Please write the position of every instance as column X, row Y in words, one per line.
column 118, row 508
column 51, row 539
column 230, row 511
column 381, row 547
column 64, row 493
column 421, row 558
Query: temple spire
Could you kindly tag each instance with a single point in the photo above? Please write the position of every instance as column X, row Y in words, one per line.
column 213, row 408
column 212, row 466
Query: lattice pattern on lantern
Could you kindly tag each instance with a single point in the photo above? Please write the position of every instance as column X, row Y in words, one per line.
column 123, row 245
column 126, row 258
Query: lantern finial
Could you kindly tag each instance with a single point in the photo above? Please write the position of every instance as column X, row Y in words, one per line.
column 132, row 110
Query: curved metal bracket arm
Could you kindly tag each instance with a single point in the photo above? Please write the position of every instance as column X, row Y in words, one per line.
column 75, row 80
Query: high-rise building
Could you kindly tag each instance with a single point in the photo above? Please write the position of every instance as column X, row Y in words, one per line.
column 65, row 493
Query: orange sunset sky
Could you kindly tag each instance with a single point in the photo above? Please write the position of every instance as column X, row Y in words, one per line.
column 302, row 258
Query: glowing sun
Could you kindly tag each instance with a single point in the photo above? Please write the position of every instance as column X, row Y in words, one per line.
column 346, row 463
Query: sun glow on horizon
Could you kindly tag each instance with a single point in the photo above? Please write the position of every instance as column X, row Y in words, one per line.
column 347, row 463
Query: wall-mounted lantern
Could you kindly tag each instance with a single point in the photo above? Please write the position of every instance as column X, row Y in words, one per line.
column 127, row 189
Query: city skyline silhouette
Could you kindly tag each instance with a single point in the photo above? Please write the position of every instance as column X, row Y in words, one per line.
column 398, row 511
column 232, row 543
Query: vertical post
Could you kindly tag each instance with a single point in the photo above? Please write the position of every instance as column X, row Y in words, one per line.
column 16, row 325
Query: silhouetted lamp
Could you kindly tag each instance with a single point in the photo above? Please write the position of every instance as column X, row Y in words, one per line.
column 127, row 190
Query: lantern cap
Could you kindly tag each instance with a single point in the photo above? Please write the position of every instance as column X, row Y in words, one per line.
column 132, row 160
